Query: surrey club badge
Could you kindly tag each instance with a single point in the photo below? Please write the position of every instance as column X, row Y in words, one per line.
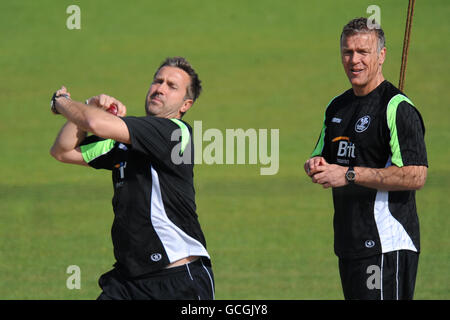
column 362, row 124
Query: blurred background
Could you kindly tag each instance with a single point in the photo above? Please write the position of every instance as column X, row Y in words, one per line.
column 264, row 65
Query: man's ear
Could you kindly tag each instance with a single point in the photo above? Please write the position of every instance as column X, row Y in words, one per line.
column 382, row 56
column 187, row 104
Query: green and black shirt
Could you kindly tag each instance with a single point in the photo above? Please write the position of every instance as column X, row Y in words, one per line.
column 378, row 130
column 155, row 220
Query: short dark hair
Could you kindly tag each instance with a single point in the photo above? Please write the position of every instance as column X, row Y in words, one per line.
column 360, row 25
column 194, row 89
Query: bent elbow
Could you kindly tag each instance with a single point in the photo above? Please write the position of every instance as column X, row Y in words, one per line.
column 55, row 154
column 421, row 178
column 421, row 183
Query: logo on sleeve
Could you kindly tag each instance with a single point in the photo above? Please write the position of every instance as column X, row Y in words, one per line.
column 336, row 120
column 362, row 124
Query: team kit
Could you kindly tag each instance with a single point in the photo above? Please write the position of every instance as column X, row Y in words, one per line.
column 370, row 151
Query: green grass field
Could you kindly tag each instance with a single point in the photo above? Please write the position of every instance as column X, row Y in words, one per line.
column 264, row 64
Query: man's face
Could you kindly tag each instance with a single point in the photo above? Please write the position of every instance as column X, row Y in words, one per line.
column 362, row 62
column 166, row 95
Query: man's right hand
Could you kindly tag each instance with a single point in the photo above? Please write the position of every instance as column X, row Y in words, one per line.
column 62, row 91
column 312, row 164
column 104, row 102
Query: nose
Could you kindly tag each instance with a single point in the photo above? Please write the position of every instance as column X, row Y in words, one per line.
column 355, row 58
column 162, row 88
column 157, row 89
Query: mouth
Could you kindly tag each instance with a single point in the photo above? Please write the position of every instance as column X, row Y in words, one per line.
column 155, row 99
column 356, row 71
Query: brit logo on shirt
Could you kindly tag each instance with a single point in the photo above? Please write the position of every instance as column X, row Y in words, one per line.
column 362, row 124
column 345, row 150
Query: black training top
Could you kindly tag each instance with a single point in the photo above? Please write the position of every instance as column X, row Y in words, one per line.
column 378, row 130
column 155, row 220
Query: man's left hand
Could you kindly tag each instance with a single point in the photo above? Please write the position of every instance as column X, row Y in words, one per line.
column 104, row 102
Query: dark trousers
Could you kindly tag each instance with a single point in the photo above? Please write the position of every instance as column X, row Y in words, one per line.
column 387, row 276
column 192, row 281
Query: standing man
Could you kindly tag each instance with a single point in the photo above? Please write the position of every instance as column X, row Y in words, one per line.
column 158, row 242
column 371, row 151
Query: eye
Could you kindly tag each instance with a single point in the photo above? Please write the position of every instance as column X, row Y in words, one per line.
column 347, row 52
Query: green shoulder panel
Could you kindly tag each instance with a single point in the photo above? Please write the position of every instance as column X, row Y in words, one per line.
column 391, row 113
column 96, row 149
column 319, row 146
column 184, row 134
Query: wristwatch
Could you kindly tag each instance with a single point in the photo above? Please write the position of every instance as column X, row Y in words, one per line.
column 350, row 175
column 53, row 100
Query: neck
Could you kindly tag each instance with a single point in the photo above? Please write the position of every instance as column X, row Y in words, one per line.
column 369, row 87
column 176, row 115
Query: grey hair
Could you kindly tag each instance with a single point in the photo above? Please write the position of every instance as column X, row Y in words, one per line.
column 361, row 25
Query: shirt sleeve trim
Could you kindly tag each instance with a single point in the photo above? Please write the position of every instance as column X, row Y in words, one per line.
column 97, row 149
column 391, row 112
column 184, row 134
column 321, row 142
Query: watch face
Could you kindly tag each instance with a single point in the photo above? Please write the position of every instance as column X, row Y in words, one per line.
column 350, row 175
